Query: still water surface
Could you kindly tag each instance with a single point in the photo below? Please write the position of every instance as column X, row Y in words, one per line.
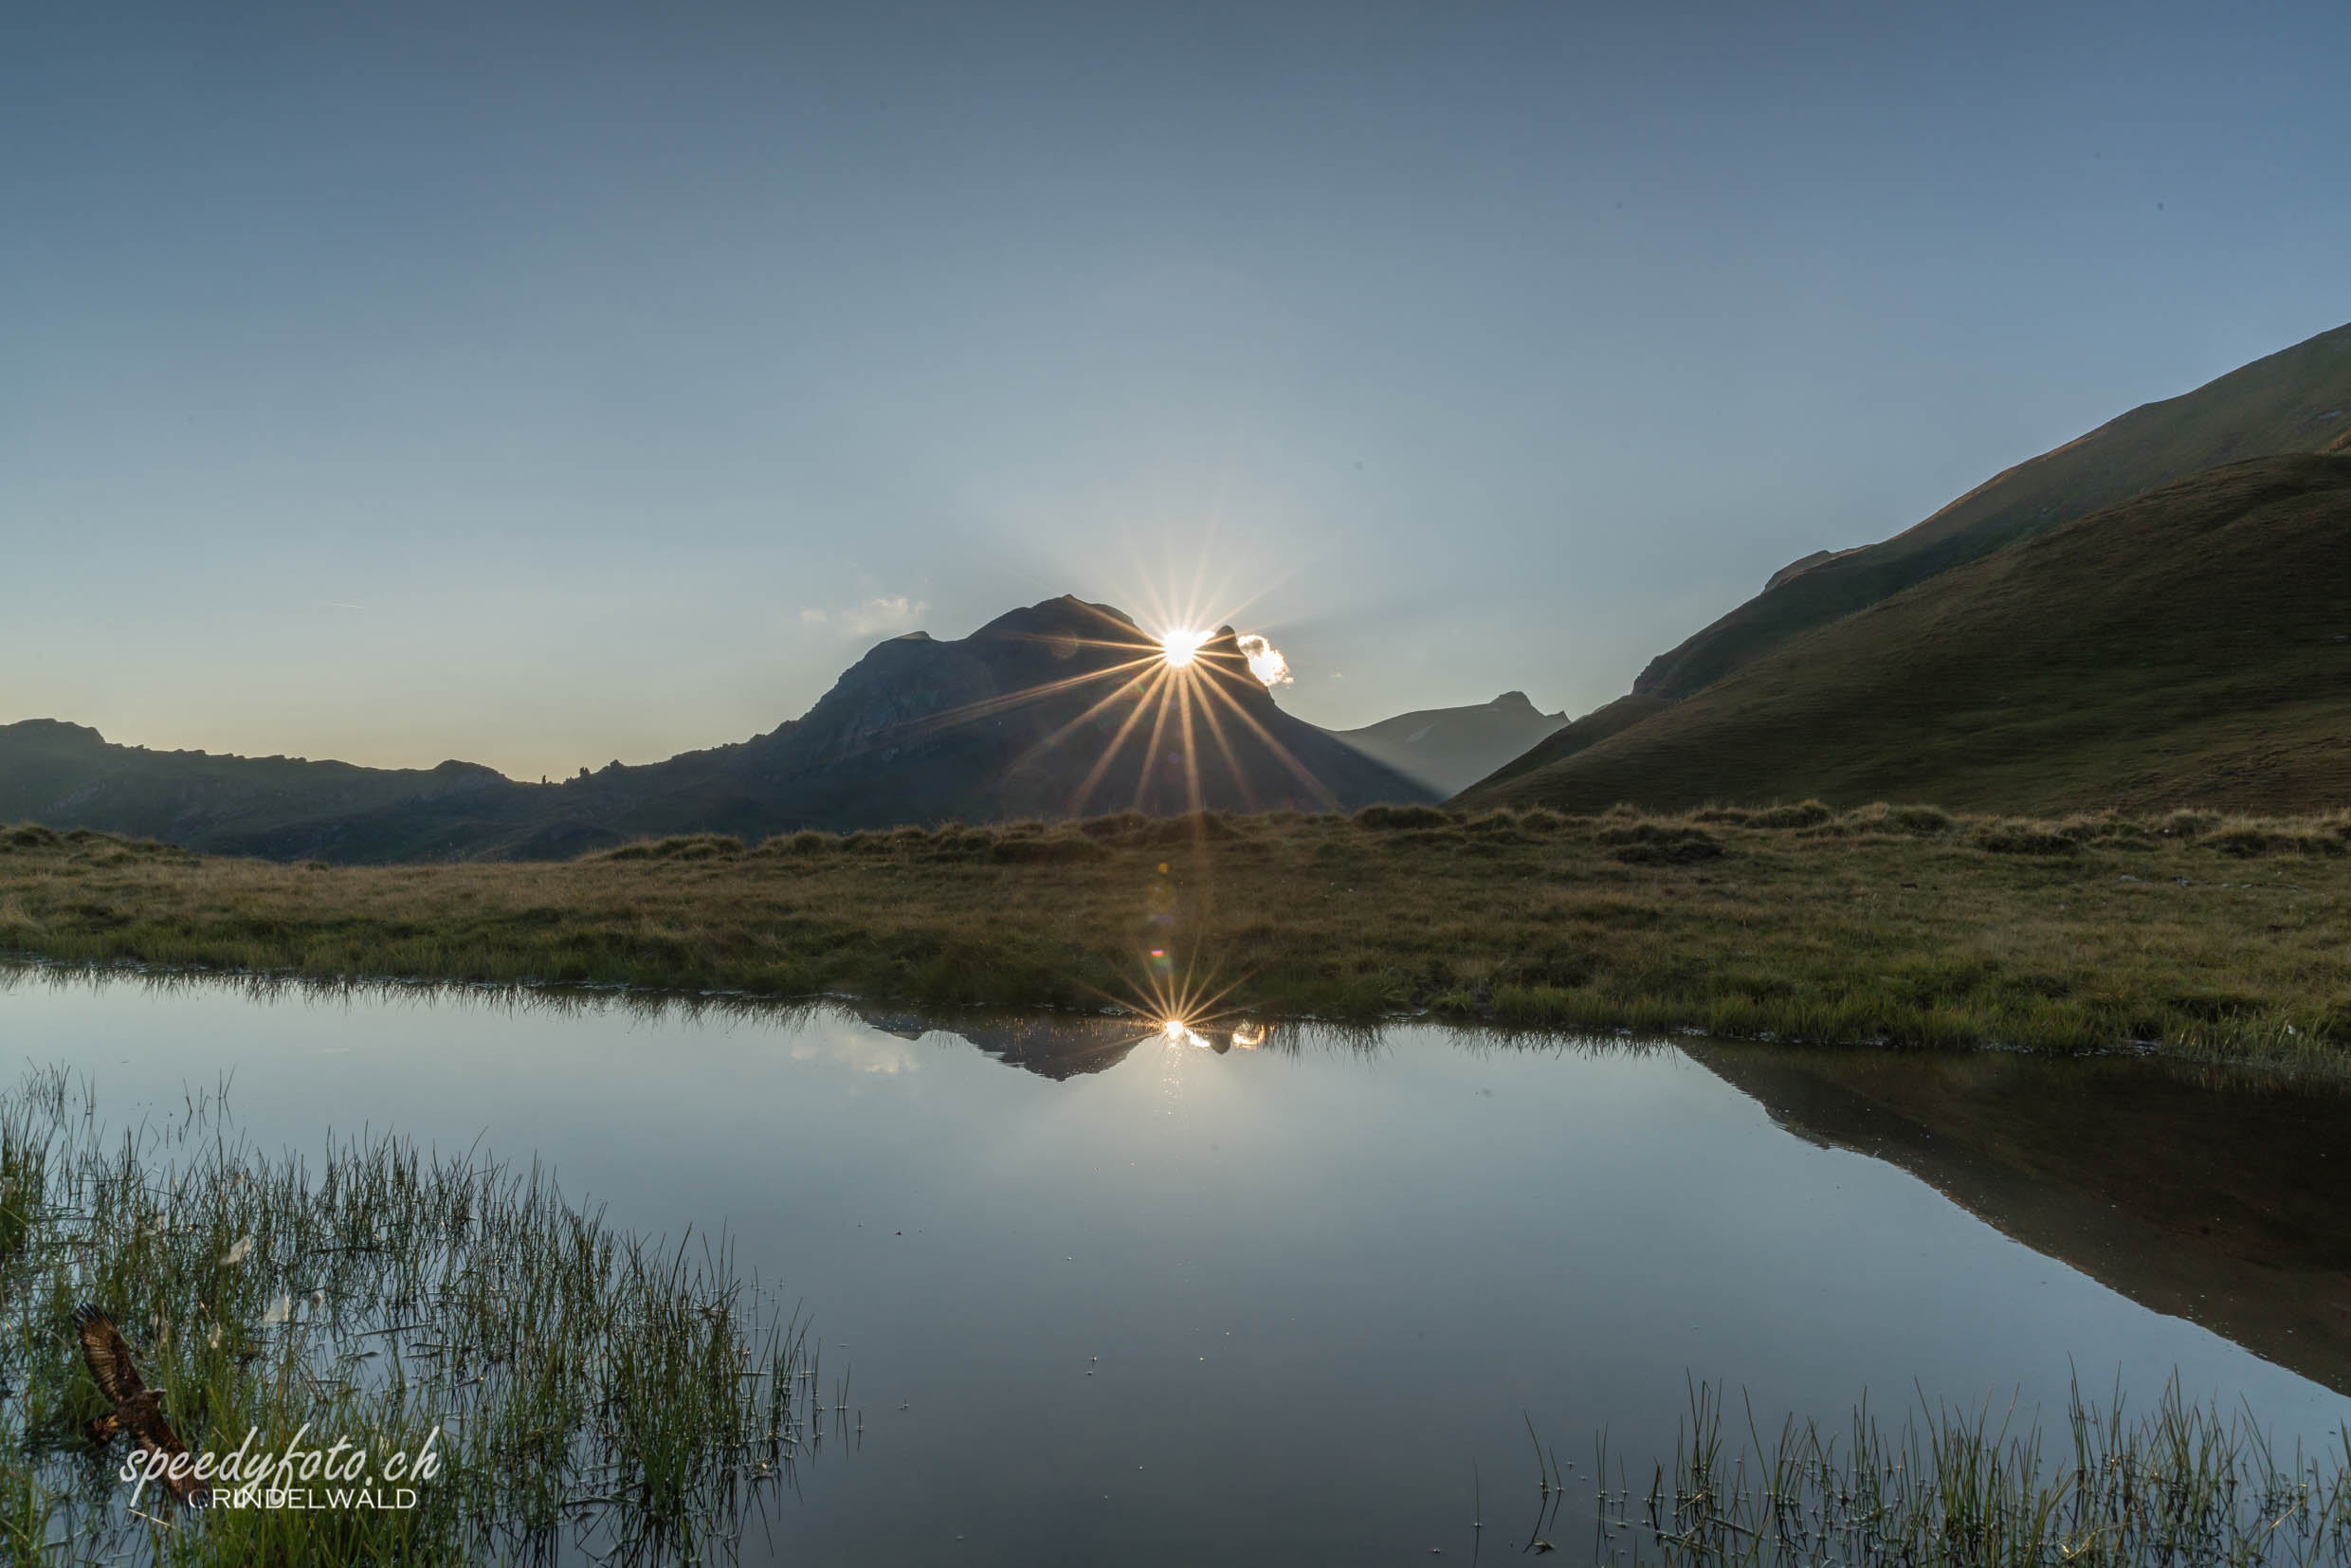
column 1316, row 1284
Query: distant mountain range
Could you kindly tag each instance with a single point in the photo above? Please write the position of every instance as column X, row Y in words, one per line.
column 1061, row 709
column 1449, row 749
column 2154, row 614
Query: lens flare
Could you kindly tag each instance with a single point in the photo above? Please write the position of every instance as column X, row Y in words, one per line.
column 1265, row 660
column 1249, row 1036
column 1174, row 693
column 1177, row 1032
column 1180, row 647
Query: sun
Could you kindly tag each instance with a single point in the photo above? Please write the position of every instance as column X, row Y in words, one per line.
column 1179, row 648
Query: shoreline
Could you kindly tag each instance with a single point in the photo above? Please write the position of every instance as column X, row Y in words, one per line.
column 2207, row 939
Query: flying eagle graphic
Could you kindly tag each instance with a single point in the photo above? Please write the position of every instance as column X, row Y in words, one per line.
column 138, row 1409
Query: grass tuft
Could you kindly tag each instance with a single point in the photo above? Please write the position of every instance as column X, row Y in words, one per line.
column 2182, row 1486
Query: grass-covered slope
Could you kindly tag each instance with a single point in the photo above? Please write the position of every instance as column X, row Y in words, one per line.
column 2191, row 646
column 2294, row 401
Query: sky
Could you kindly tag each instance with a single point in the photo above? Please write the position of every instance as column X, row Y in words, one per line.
column 549, row 385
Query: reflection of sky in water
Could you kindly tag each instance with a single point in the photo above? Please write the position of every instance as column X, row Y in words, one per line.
column 1320, row 1282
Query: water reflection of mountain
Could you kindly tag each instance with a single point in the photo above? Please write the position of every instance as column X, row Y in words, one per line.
column 1051, row 1045
column 2228, row 1207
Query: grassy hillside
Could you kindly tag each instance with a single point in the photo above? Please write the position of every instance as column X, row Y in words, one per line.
column 2191, row 646
column 2295, row 401
column 2216, row 939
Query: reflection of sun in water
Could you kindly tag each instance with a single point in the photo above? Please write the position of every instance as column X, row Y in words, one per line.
column 1186, row 1031
column 1177, row 1032
column 1178, row 648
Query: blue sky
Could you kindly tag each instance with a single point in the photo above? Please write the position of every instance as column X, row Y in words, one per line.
column 545, row 386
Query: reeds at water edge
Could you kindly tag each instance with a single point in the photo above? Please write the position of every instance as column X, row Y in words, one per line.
column 587, row 1391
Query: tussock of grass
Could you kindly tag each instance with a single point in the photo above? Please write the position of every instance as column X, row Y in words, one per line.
column 1804, row 813
column 1377, row 817
column 1659, row 844
column 2181, row 1485
column 1917, row 821
column 2216, row 936
column 583, row 1384
column 687, row 847
column 2025, row 838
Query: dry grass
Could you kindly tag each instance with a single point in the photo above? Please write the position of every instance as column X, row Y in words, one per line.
column 2216, row 938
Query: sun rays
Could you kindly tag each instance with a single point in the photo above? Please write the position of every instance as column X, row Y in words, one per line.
column 1190, row 685
column 1171, row 705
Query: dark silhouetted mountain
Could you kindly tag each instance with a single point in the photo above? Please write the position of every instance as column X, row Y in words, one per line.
column 1061, row 709
column 284, row 807
column 1063, row 1045
column 1450, row 749
column 2188, row 646
column 1590, row 730
column 1051, row 1045
column 2080, row 1160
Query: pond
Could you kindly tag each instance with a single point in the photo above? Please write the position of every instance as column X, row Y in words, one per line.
column 1106, row 1295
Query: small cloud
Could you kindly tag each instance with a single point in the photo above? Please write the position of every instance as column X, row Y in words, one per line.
column 884, row 613
column 1265, row 661
column 864, row 1052
column 896, row 613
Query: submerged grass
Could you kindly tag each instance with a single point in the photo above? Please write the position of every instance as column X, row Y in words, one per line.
column 2182, row 1486
column 583, row 1391
column 2211, row 937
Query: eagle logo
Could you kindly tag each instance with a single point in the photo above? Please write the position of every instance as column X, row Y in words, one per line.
column 137, row 1409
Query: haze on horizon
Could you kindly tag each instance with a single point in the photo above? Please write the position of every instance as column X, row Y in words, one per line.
column 562, row 384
